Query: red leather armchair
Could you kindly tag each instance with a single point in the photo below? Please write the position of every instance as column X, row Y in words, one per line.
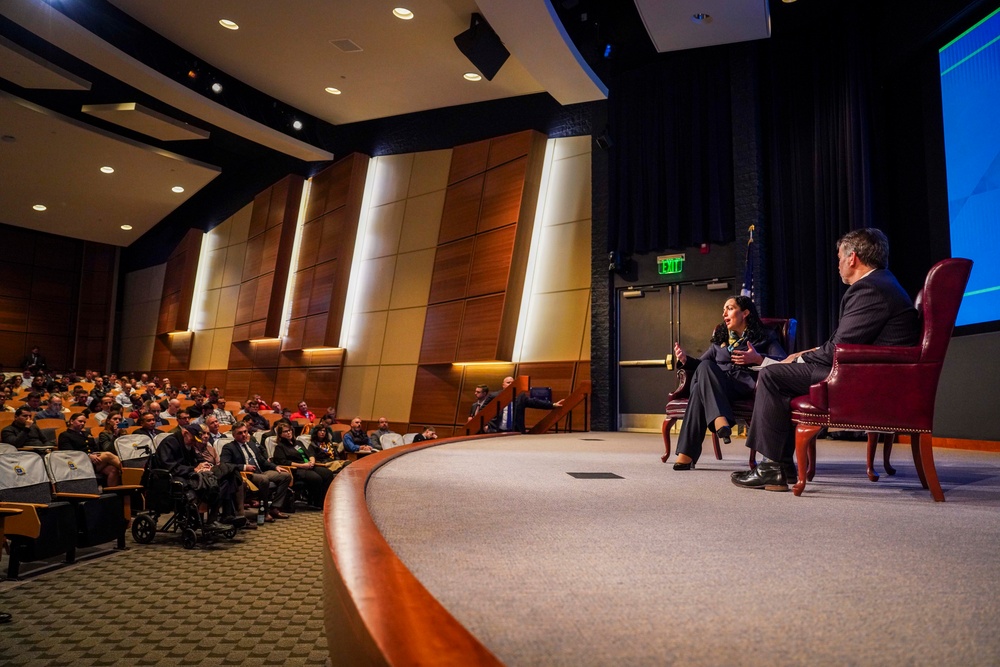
column 887, row 389
column 677, row 400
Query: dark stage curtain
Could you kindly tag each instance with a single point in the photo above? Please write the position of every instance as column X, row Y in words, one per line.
column 816, row 117
column 671, row 172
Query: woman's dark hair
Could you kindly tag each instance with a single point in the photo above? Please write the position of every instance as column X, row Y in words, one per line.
column 321, row 427
column 755, row 328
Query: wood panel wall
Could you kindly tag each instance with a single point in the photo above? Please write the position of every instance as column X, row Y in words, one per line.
column 483, row 243
column 326, row 254
column 55, row 292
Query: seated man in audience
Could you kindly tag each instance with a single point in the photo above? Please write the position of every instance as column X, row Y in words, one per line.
column 3, row 403
column 254, row 420
column 224, row 416
column 173, row 405
column 304, row 413
column 511, row 418
column 105, row 409
column 33, row 402
column 82, row 398
column 23, row 432
column 180, row 456
column 427, row 434
column 356, row 440
column 124, row 398
column 375, row 438
column 99, row 389
column 147, row 425
column 243, row 453
column 197, row 410
column 183, row 419
column 483, row 397
column 212, row 432
column 54, row 410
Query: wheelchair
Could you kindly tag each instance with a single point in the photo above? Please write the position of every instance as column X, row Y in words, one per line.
column 164, row 495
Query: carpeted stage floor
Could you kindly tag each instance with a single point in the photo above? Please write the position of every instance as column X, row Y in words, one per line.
column 656, row 568
column 684, row 568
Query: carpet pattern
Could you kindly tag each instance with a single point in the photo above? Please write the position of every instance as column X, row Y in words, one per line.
column 161, row 604
column 684, row 568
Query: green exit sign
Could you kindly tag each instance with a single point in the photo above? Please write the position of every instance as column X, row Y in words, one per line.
column 670, row 264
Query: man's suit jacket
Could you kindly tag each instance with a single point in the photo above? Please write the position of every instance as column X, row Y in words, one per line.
column 172, row 455
column 875, row 310
column 232, row 453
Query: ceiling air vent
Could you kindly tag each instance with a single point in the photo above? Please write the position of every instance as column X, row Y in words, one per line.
column 346, row 45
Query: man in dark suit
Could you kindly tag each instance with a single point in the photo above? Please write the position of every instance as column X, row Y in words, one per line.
column 244, row 454
column 34, row 361
column 875, row 310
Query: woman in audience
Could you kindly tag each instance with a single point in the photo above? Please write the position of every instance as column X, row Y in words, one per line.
column 107, row 466
column 723, row 374
column 323, row 449
column 290, row 453
column 112, row 429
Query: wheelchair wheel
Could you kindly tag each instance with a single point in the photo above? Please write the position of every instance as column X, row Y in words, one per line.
column 189, row 538
column 143, row 529
column 230, row 534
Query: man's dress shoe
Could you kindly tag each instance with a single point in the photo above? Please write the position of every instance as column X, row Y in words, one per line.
column 769, row 476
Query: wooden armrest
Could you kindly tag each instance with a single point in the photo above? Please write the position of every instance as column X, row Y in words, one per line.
column 25, row 524
column 876, row 354
column 682, row 390
column 75, row 496
column 124, row 487
column 248, row 482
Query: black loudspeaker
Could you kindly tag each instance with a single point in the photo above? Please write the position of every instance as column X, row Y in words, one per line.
column 482, row 47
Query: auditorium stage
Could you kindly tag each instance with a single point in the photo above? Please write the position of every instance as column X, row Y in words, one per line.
column 657, row 567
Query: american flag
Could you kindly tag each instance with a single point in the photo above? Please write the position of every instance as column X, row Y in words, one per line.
column 747, row 288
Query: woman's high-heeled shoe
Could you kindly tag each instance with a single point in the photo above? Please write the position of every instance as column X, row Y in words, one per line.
column 725, row 433
column 684, row 466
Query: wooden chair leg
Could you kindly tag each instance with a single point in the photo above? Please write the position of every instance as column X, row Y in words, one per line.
column 805, row 441
column 922, row 448
column 715, row 444
column 753, row 459
column 872, row 446
column 887, row 440
column 668, row 423
column 811, row 469
column 918, row 461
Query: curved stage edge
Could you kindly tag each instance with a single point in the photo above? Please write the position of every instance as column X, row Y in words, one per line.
column 376, row 611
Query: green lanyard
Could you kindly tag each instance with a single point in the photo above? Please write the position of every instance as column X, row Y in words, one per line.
column 305, row 458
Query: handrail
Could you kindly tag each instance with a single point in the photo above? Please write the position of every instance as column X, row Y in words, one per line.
column 502, row 400
column 376, row 611
column 580, row 395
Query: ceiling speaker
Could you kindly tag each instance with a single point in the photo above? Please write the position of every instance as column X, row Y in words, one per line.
column 482, row 47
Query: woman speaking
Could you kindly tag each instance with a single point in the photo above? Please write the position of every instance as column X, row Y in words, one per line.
column 723, row 374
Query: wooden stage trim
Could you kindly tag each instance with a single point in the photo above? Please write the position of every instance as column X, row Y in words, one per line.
column 959, row 443
column 376, row 611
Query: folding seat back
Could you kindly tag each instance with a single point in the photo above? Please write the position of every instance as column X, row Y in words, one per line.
column 390, row 440
column 100, row 517
column 221, row 442
column 408, row 438
column 160, row 438
column 134, row 450
column 44, row 528
column 269, row 445
column 7, row 449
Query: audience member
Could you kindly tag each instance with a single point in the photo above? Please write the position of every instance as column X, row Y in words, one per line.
column 290, row 453
column 54, row 410
column 33, row 361
column 304, row 413
column 177, row 454
column 376, row 436
column 356, row 440
column 243, row 453
column 33, row 402
column 323, row 449
column 427, row 434
column 107, row 466
column 105, row 409
column 224, row 416
column 23, row 432
column 112, row 431
column 254, row 420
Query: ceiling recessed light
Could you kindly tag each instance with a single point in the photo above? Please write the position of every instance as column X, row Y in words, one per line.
column 297, row 124
column 127, row 228
column 472, row 76
column 108, row 170
column 216, row 88
column 701, row 18
column 178, row 189
column 39, row 207
column 332, row 90
column 229, row 25
column 402, row 13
